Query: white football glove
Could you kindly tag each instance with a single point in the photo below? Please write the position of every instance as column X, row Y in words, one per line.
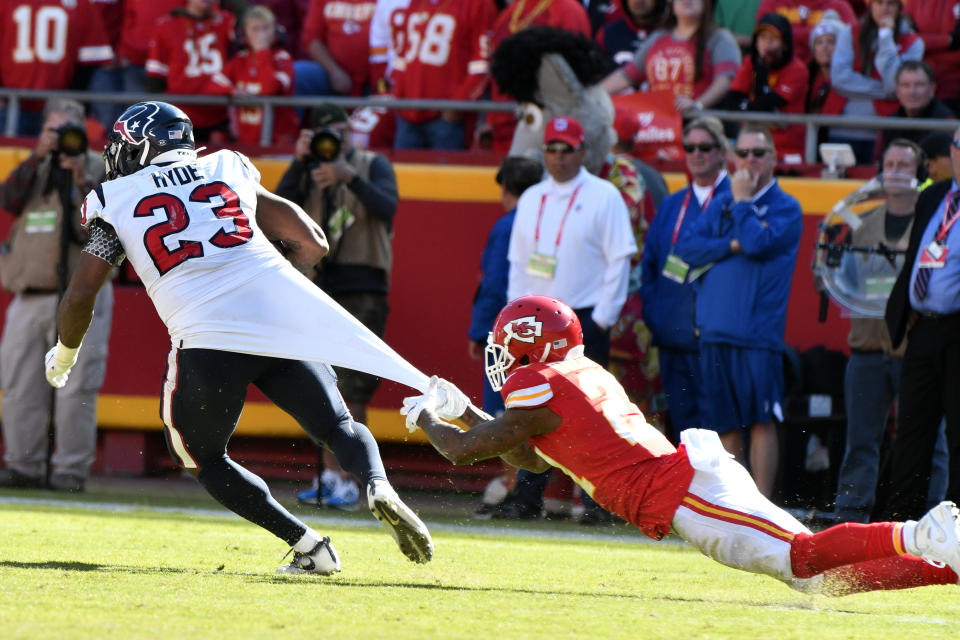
column 59, row 361
column 414, row 405
column 451, row 402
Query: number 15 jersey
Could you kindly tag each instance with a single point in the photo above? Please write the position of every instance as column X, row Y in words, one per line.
column 603, row 442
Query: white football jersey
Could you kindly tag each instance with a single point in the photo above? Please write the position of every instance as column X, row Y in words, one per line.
column 190, row 231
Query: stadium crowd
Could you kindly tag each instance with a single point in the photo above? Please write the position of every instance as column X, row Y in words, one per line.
column 837, row 57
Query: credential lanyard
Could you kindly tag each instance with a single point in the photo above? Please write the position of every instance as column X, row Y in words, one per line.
column 563, row 221
column 945, row 224
column 683, row 210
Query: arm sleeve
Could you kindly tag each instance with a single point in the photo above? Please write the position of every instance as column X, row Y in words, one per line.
column 636, row 69
column 104, row 243
column 379, row 193
column 158, row 56
column 698, row 243
column 844, row 80
column 478, row 62
column 518, row 252
column 773, row 235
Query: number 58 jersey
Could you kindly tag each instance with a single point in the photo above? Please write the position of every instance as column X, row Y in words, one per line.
column 190, row 231
column 603, row 442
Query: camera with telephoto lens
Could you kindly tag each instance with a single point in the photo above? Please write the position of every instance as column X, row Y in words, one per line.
column 72, row 140
column 325, row 145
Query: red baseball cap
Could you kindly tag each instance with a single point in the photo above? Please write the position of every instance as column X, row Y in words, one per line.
column 564, row 129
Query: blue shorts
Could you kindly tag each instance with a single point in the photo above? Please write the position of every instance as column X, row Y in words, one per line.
column 741, row 386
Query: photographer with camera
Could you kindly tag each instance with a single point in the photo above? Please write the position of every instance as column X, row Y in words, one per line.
column 352, row 194
column 872, row 377
column 45, row 194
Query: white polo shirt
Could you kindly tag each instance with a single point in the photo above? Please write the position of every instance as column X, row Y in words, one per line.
column 594, row 248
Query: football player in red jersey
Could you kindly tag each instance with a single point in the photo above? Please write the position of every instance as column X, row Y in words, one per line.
column 564, row 410
column 187, row 52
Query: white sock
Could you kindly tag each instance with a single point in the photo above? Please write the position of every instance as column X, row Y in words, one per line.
column 910, row 538
column 308, row 541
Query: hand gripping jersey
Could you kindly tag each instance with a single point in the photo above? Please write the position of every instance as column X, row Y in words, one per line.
column 190, row 230
column 604, row 443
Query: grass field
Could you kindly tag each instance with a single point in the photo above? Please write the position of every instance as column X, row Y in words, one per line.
column 117, row 568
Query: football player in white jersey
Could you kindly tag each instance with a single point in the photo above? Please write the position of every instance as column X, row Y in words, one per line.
column 200, row 233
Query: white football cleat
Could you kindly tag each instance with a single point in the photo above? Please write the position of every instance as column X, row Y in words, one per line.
column 937, row 535
column 322, row 559
column 403, row 524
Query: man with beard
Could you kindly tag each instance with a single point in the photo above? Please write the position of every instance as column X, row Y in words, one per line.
column 772, row 79
column 619, row 39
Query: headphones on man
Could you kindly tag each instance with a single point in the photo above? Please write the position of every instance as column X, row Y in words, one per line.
column 922, row 172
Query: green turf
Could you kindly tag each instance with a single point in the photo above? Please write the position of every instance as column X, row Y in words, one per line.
column 82, row 573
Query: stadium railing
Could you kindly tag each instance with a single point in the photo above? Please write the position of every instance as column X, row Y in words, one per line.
column 813, row 123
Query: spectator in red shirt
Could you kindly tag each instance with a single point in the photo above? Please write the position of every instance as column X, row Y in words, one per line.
column 772, row 79
column 446, row 55
column 188, row 49
column 938, row 24
column 803, row 16
column 36, row 56
column 262, row 69
column 337, row 40
column 690, row 57
column 387, row 29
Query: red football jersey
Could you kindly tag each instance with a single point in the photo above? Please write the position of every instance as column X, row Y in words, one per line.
column 604, row 443
column 670, row 65
column 343, row 26
column 44, row 40
column 446, row 52
column 139, row 21
column 790, row 83
column 263, row 73
column 188, row 52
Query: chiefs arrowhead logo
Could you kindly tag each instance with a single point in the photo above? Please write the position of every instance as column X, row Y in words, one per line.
column 525, row 329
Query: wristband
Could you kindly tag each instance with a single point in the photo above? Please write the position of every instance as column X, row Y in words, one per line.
column 65, row 355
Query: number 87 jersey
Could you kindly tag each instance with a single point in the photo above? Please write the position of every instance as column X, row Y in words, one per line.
column 189, row 230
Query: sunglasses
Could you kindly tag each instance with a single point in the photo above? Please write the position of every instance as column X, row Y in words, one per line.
column 703, row 147
column 559, row 148
column 758, row 152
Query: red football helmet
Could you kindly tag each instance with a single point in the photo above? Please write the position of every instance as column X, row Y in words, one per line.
column 531, row 329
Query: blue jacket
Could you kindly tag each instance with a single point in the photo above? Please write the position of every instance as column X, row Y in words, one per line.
column 491, row 295
column 742, row 298
column 667, row 304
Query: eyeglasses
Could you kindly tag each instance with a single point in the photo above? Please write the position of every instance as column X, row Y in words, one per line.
column 703, row 147
column 559, row 148
column 757, row 152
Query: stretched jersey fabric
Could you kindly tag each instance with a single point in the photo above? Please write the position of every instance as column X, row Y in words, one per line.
column 604, row 443
column 190, row 231
column 188, row 52
column 446, row 52
column 344, row 27
column 44, row 40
